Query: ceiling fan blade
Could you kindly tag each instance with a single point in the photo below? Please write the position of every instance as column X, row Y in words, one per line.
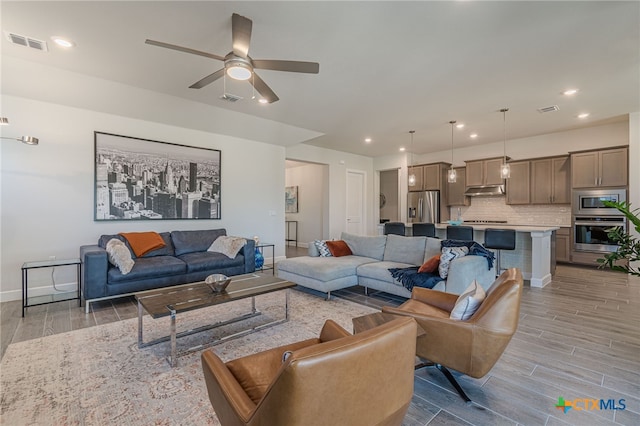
column 262, row 88
column 290, row 66
column 207, row 80
column 183, row 49
column 241, row 34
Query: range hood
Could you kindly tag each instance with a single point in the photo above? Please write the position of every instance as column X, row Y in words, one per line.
column 486, row 190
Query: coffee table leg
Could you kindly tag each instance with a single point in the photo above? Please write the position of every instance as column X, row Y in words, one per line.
column 173, row 359
column 286, row 305
column 253, row 305
column 139, row 324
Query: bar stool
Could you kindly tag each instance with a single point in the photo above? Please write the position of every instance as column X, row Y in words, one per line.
column 464, row 233
column 499, row 239
column 424, row 230
column 394, row 228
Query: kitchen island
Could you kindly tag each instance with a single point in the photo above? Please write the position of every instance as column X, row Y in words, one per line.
column 533, row 252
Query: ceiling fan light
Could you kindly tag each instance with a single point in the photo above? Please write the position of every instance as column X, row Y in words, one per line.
column 239, row 72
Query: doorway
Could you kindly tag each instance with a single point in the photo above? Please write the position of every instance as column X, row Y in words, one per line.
column 356, row 181
column 389, row 198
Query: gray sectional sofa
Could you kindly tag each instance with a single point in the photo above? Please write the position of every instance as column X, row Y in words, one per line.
column 369, row 265
column 183, row 259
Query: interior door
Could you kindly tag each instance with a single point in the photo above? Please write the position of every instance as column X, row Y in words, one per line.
column 355, row 202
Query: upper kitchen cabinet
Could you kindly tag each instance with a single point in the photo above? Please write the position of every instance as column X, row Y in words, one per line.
column 607, row 167
column 484, row 172
column 456, row 195
column 519, row 183
column 550, row 182
column 429, row 177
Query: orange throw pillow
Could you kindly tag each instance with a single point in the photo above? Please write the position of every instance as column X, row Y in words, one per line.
column 430, row 265
column 143, row 242
column 338, row 248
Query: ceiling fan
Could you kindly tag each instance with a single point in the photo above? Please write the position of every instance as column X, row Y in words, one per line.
column 239, row 65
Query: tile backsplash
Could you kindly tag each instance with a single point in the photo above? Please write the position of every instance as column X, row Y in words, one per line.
column 495, row 208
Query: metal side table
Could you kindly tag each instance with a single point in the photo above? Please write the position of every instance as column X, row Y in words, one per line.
column 54, row 297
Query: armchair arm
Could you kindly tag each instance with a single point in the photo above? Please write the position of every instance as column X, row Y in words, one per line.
column 439, row 299
column 249, row 253
column 225, row 393
column 331, row 331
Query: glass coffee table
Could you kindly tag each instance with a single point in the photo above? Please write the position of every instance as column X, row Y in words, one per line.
column 171, row 301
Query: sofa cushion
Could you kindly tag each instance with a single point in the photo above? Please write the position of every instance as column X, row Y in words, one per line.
column 192, row 241
column 433, row 248
column 405, row 249
column 143, row 242
column 380, row 270
column 149, row 267
column 323, row 268
column 166, row 250
column 209, row 260
column 365, row 246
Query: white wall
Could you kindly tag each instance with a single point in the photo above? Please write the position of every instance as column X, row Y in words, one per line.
column 338, row 163
column 312, row 181
column 47, row 190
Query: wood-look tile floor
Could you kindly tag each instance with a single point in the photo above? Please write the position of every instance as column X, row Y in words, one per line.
column 579, row 337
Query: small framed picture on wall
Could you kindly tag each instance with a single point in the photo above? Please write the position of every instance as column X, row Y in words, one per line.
column 291, row 199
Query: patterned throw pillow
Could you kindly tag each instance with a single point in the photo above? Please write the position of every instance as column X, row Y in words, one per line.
column 119, row 255
column 468, row 302
column 447, row 256
column 322, row 248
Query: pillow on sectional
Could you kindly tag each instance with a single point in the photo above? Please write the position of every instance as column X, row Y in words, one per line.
column 365, row 246
column 312, row 249
column 468, row 302
column 447, row 256
column 338, row 248
column 119, row 255
column 322, row 248
column 227, row 245
column 430, row 265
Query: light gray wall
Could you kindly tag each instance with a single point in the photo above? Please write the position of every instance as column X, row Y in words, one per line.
column 312, row 181
column 47, row 192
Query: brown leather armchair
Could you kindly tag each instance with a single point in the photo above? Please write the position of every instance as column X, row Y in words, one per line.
column 338, row 379
column 473, row 346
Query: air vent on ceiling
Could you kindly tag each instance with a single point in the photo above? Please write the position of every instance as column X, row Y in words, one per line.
column 548, row 109
column 25, row 41
column 230, row 98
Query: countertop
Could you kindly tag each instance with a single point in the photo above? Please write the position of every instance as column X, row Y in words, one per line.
column 517, row 228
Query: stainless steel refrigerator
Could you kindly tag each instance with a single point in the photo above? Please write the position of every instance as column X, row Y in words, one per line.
column 424, row 206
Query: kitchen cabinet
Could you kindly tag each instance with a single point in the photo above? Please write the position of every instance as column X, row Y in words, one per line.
column 456, row 190
column 550, row 180
column 607, row 167
column 518, row 185
column 429, row 177
column 484, row 172
column 563, row 245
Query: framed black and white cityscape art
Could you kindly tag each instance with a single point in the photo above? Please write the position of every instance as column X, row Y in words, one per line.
column 145, row 179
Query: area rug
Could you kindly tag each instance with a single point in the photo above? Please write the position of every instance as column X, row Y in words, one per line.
column 98, row 376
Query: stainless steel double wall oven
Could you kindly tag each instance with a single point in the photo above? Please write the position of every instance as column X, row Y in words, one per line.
column 592, row 220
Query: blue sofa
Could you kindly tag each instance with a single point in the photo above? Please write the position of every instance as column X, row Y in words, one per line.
column 183, row 259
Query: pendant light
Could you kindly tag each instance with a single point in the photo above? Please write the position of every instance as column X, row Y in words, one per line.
column 505, row 169
column 452, row 175
column 412, row 176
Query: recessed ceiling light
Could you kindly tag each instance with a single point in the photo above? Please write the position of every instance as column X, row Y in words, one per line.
column 263, row 101
column 402, row 148
column 473, row 135
column 570, row 92
column 368, row 140
column 62, row 42
column 460, row 125
column 583, row 115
